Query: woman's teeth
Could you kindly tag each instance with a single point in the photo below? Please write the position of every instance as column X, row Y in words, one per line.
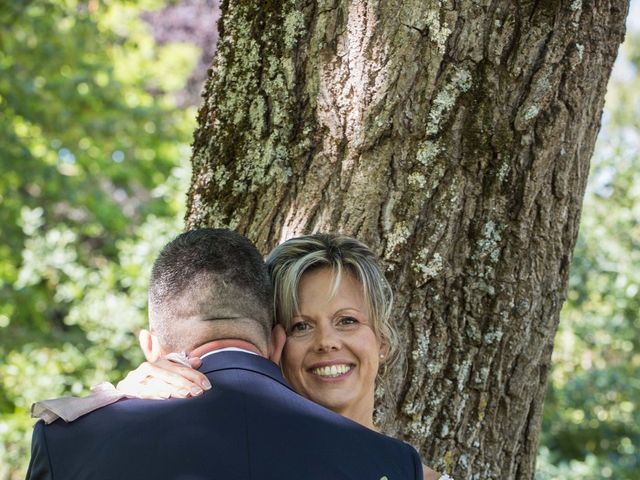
column 332, row 371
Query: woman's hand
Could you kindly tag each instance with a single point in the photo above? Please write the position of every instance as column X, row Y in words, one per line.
column 164, row 379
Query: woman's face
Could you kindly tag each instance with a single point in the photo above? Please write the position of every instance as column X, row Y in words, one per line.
column 332, row 354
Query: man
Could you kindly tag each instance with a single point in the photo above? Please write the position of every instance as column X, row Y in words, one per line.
column 210, row 295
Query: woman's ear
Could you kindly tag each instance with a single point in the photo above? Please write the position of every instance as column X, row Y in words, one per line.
column 278, row 338
column 384, row 350
column 150, row 345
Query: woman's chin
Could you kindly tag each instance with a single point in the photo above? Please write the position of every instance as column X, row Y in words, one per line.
column 337, row 405
column 333, row 399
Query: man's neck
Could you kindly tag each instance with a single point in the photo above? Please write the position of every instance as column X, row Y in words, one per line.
column 224, row 343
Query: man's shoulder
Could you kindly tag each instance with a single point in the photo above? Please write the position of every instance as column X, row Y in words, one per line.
column 302, row 426
column 400, row 456
column 245, row 408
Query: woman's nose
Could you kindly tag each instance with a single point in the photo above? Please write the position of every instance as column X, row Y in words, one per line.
column 327, row 339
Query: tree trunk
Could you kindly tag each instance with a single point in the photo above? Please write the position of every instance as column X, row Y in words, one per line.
column 453, row 138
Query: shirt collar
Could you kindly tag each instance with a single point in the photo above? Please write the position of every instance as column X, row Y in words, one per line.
column 227, row 349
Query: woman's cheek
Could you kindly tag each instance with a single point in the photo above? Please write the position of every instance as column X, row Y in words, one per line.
column 286, row 361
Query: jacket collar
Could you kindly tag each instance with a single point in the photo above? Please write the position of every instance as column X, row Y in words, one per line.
column 243, row 361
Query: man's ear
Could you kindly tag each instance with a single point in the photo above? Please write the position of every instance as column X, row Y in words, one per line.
column 150, row 345
column 278, row 337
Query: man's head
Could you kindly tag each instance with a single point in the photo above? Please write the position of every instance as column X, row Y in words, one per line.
column 209, row 284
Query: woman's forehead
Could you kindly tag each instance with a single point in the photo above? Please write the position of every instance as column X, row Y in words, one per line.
column 326, row 290
column 330, row 279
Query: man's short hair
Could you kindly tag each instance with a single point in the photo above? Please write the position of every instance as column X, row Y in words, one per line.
column 205, row 279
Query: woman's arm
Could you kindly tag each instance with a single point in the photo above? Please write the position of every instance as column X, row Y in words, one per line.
column 171, row 376
column 432, row 474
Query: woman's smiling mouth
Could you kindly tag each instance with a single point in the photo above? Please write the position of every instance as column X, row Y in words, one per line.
column 332, row 371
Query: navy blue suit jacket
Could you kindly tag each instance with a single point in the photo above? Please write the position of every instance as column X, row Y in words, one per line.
column 250, row 425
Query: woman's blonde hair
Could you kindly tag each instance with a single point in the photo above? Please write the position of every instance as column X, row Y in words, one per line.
column 289, row 261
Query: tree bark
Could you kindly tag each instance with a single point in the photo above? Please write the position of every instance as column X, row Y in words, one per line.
column 452, row 137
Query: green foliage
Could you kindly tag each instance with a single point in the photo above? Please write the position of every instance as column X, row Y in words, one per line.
column 591, row 423
column 93, row 159
column 94, row 170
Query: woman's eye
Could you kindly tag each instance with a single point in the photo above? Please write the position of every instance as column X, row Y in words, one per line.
column 299, row 327
column 348, row 321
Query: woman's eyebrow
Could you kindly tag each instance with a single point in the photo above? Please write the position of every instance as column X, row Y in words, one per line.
column 340, row 310
column 346, row 309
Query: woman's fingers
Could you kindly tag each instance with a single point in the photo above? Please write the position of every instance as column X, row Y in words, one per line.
column 153, row 387
column 163, row 379
column 175, row 374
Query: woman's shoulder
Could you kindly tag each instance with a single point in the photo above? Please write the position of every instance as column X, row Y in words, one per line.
column 433, row 475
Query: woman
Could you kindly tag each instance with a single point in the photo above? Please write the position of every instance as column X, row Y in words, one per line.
column 334, row 303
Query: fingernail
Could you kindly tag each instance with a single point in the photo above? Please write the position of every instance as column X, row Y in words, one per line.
column 206, row 384
column 196, row 391
column 183, row 392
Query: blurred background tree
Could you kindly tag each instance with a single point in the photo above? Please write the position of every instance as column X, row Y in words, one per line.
column 96, row 117
column 591, row 426
column 97, row 108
